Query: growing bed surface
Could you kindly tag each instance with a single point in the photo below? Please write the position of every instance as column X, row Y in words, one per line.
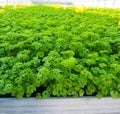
column 59, row 51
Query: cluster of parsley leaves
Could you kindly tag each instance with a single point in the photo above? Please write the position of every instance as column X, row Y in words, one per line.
column 65, row 52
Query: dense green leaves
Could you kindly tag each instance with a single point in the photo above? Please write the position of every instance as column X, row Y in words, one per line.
column 59, row 52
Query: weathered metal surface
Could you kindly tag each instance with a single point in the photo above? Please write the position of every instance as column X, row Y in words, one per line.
column 60, row 106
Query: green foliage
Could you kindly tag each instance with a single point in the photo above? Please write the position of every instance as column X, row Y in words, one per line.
column 64, row 52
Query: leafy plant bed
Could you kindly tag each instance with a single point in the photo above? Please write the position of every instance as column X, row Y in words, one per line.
column 59, row 51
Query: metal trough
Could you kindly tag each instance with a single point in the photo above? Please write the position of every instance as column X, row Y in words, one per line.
column 83, row 105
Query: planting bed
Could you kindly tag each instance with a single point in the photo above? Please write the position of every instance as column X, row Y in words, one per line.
column 59, row 51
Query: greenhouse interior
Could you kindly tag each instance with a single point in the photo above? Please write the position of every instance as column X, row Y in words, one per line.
column 87, row 3
column 59, row 56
